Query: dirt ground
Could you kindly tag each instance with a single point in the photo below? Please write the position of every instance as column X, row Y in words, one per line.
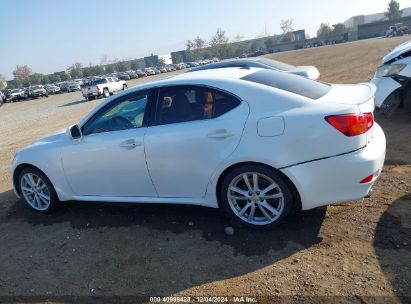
column 354, row 252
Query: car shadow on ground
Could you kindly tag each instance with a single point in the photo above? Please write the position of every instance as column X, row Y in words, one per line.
column 135, row 248
column 73, row 103
column 393, row 245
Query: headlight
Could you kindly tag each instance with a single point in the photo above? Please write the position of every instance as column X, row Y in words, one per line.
column 389, row 70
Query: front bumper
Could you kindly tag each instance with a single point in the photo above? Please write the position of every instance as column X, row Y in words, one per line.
column 337, row 179
column 385, row 86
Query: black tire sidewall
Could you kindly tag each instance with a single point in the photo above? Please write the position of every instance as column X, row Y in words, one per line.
column 54, row 201
column 223, row 199
column 407, row 99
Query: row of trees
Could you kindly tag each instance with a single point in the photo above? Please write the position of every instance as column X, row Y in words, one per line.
column 219, row 46
column 24, row 76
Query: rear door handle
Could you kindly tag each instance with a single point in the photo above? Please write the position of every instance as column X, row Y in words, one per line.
column 220, row 134
column 130, row 144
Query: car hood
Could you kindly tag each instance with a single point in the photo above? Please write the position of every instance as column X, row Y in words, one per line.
column 51, row 138
column 306, row 71
column 399, row 50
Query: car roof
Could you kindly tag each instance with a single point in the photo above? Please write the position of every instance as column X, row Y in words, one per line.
column 239, row 61
column 231, row 72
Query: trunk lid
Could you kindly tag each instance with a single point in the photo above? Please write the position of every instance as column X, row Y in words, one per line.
column 359, row 95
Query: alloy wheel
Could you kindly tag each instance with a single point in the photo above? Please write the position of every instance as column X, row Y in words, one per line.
column 255, row 198
column 35, row 191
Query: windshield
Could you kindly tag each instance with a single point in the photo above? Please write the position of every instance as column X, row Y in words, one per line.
column 290, row 83
column 36, row 87
column 276, row 64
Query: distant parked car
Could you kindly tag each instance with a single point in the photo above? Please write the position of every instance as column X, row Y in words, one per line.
column 2, row 98
column 156, row 71
column 177, row 66
column 140, row 73
column 52, row 89
column 15, row 95
column 123, row 76
column 37, row 91
column 265, row 63
column 73, row 87
column 162, row 69
column 149, row 71
column 394, row 30
column 103, row 87
column 132, row 74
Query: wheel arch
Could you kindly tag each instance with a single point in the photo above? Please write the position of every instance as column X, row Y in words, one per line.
column 17, row 171
column 287, row 180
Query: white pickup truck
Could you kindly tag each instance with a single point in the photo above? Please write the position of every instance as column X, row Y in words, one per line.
column 103, row 87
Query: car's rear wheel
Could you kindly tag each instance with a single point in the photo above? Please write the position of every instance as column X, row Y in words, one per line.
column 37, row 190
column 256, row 196
column 124, row 87
column 106, row 93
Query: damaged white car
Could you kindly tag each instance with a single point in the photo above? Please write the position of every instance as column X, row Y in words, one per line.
column 393, row 80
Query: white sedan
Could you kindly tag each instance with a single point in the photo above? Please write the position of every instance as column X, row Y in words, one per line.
column 255, row 142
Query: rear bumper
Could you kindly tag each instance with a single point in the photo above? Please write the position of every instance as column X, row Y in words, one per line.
column 337, row 179
column 385, row 86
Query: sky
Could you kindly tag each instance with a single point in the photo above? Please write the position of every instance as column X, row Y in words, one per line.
column 50, row 35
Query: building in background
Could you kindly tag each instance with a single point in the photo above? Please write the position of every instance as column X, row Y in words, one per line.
column 355, row 21
column 379, row 28
column 165, row 59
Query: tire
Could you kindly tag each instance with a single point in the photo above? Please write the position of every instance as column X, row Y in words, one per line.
column 390, row 104
column 269, row 212
column 90, row 98
column 106, row 93
column 124, row 87
column 44, row 189
column 407, row 99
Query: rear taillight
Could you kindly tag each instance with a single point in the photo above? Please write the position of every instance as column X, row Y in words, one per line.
column 98, row 88
column 370, row 178
column 319, row 77
column 351, row 124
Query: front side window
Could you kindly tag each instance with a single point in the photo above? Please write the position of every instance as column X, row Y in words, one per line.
column 183, row 103
column 125, row 113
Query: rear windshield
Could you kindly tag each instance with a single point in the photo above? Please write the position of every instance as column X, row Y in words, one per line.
column 276, row 64
column 290, row 83
column 99, row 81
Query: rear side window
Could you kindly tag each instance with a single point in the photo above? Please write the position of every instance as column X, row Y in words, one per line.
column 189, row 103
column 290, row 83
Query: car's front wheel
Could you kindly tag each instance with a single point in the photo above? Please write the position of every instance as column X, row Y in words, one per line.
column 37, row 190
column 124, row 87
column 256, row 196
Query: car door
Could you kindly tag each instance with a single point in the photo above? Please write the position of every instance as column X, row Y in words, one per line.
column 109, row 160
column 196, row 128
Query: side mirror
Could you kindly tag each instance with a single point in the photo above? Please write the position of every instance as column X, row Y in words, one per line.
column 75, row 132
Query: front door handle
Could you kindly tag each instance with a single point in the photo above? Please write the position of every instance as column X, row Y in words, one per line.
column 220, row 134
column 130, row 144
